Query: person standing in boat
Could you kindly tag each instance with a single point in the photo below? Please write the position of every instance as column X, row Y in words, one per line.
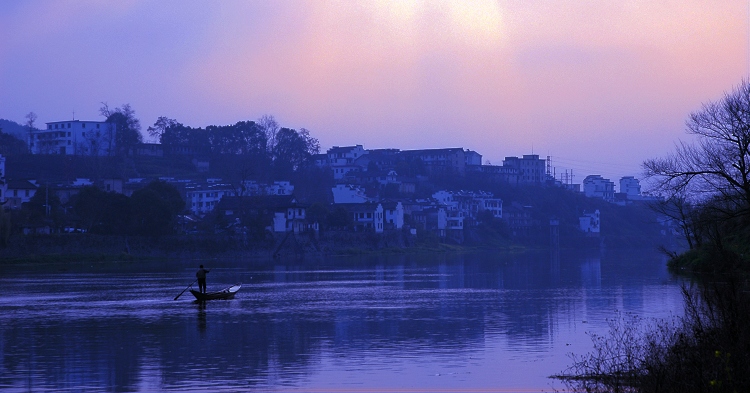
column 201, row 275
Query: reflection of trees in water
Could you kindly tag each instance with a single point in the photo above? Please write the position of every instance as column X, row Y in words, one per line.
column 447, row 305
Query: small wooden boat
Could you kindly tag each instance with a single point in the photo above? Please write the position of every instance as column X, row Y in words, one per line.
column 226, row 293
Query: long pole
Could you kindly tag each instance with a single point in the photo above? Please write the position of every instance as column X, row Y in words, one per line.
column 183, row 291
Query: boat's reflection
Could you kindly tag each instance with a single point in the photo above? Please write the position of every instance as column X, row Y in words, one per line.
column 201, row 306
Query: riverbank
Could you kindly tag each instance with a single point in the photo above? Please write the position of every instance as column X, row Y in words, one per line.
column 96, row 248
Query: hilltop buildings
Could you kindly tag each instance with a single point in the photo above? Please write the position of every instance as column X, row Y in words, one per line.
column 74, row 137
column 379, row 189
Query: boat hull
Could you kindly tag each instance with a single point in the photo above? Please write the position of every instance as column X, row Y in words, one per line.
column 226, row 293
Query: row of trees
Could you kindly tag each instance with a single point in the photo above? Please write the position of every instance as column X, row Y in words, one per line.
column 150, row 211
column 263, row 143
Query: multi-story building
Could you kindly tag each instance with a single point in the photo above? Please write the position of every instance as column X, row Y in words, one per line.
column 447, row 161
column 631, row 187
column 531, row 169
column 201, row 201
column 595, row 186
column 472, row 157
column 341, row 159
column 74, row 137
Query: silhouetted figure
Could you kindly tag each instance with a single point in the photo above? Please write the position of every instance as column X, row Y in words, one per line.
column 201, row 274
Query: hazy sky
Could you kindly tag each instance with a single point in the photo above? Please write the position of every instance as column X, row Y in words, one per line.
column 597, row 85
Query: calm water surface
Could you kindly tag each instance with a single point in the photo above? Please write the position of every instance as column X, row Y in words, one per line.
column 487, row 322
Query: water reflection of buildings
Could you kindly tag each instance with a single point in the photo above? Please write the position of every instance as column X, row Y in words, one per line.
column 297, row 313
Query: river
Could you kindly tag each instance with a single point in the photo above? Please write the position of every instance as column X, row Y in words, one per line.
column 478, row 322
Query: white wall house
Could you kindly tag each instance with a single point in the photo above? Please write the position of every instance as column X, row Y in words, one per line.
column 595, row 186
column 394, row 215
column 17, row 192
column 203, row 201
column 74, row 137
column 280, row 188
column 341, row 159
column 589, row 223
column 366, row 216
column 468, row 204
column 631, row 187
column 495, row 205
column 290, row 220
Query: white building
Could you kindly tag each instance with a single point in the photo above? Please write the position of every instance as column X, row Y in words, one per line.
column 341, row 159
column 203, row 201
column 394, row 215
column 472, row 157
column 589, row 223
column 531, row 169
column 595, row 186
column 17, row 192
column 631, row 187
column 277, row 188
column 74, row 137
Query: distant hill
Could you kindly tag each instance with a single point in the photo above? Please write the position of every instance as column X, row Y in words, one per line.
column 13, row 128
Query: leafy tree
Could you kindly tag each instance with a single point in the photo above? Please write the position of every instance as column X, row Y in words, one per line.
column 177, row 135
column 244, row 138
column 293, row 150
column 5, row 227
column 105, row 213
column 155, row 209
column 125, row 128
column 9, row 144
column 317, row 212
column 45, row 204
column 89, row 204
column 339, row 218
column 160, row 126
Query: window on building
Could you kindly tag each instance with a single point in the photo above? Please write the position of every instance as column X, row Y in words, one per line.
column 97, row 126
column 49, row 126
column 68, row 133
column 68, row 125
column 83, row 134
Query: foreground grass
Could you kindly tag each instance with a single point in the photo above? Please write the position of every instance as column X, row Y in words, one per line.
column 706, row 350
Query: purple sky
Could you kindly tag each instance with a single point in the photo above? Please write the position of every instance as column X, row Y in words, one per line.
column 598, row 85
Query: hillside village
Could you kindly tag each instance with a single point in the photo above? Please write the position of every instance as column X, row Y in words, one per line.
column 346, row 188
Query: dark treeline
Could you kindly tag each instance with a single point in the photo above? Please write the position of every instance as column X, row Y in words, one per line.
column 265, row 149
column 151, row 211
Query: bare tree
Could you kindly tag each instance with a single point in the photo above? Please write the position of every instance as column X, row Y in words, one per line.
column 717, row 164
column 30, row 125
column 270, row 127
